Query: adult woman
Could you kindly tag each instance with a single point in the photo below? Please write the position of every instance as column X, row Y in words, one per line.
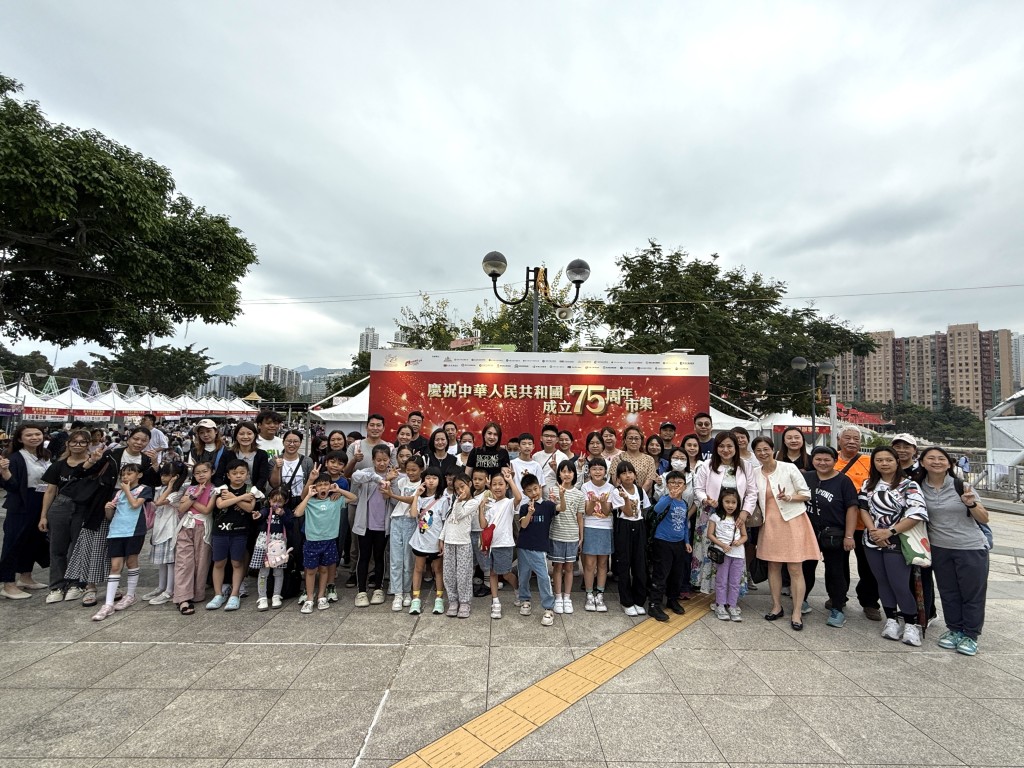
column 743, row 441
column 890, row 504
column 209, row 446
column 594, row 450
column 794, row 449
column 490, row 456
column 646, row 467
column 465, row 447
column 62, row 516
column 655, row 448
column 290, row 470
column 609, row 438
column 244, row 440
column 336, row 441
column 438, row 455
column 403, row 436
column 321, row 447
column 724, row 469
column 98, row 440
column 787, row 536
column 21, row 475
column 959, row 549
column 133, row 451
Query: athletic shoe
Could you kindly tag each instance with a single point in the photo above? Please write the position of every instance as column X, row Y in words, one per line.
column 640, row 610
column 453, row 610
column 234, row 603
column 591, row 604
column 558, row 604
column 734, row 614
column 396, row 604
column 464, row 609
column 872, row 614
column 323, row 604
column 912, row 635
column 406, row 600
column 302, row 596
column 675, row 607
column 332, row 594
column 656, row 612
column 630, row 610
column 721, row 613
column 55, row 596
column 438, row 605
column 495, row 609
column 217, row 602
column 415, row 607
column 377, row 598
column 566, row 604
column 968, row 646
column 950, row 639
column 482, row 591
column 525, row 608
column 276, row 601
column 805, row 607
column 362, row 601
column 105, row 611
column 74, row 593
column 547, row 619
column 599, row 603
column 163, row 597
column 350, row 581
column 307, row 607
column 151, row 594
column 836, row 618
column 891, row 630
column 262, row 604
column 125, row 602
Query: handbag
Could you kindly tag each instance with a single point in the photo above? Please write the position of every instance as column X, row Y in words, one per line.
column 716, row 555
column 486, row 537
column 756, row 518
column 830, row 539
column 915, row 545
column 276, row 547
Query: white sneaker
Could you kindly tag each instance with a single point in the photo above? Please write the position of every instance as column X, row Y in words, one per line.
column 362, row 601
column 377, row 598
column 548, row 619
column 558, row 604
column 721, row 613
column 55, row 596
column 396, row 604
column 151, row 594
column 912, row 635
column 307, row 607
column 495, row 609
column 640, row 610
column 630, row 610
column 591, row 604
column 163, row 597
column 891, row 630
column 734, row 614
column 262, row 604
column 599, row 603
column 525, row 608
column 323, row 604
column 406, row 600
column 74, row 593
column 276, row 601
column 566, row 604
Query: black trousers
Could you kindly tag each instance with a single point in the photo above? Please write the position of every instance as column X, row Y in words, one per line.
column 371, row 544
column 630, row 561
column 671, row 562
column 928, row 588
column 962, row 575
column 837, row 575
column 867, row 587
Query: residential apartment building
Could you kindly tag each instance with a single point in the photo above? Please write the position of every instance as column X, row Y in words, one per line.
column 284, row 377
column 218, row 386
column 1017, row 353
column 879, row 377
column 369, row 339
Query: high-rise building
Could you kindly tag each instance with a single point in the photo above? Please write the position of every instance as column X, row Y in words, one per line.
column 369, row 339
column 848, row 379
column 284, row 377
column 964, row 365
column 218, row 385
column 401, row 336
column 879, row 376
column 1017, row 353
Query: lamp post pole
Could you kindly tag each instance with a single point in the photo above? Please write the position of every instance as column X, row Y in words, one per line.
column 827, row 367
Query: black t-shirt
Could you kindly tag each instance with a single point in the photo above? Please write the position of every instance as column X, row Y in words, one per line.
column 491, row 460
column 233, row 519
column 60, row 473
column 706, row 449
column 832, row 498
column 419, row 444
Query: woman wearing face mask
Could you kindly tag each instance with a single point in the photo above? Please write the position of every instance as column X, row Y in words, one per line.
column 465, row 448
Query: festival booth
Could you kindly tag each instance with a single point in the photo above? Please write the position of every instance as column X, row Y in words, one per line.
column 349, row 416
column 36, row 407
column 777, row 423
column 121, row 409
column 159, row 405
column 190, row 407
column 85, row 409
column 722, row 423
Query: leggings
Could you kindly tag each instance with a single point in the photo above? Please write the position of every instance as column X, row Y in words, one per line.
column 371, row 543
column 892, row 573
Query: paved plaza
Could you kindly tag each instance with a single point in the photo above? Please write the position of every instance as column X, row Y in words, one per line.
column 368, row 688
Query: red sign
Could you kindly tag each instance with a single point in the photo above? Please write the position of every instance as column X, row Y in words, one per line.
column 581, row 392
column 821, row 429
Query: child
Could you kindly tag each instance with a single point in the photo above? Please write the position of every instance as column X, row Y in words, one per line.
column 497, row 510
column 125, row 539
column 670, row 546
column 192, row 540
column 428, row 508
column 479, row 479
column 275, row 519
column 402, row 527
column 161, row 554
column 232, row 513
column 525, row 465
column 534, row 527
column 630, row 546
column 728, row 534
column 566, row 535
column 514, row 451
column 456, row 549
column 322, row 508
column 597, row 523
column 334, row 463
column 372, row 522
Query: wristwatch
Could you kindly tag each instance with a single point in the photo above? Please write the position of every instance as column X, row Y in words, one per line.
column 892, row 533
column 971, row 506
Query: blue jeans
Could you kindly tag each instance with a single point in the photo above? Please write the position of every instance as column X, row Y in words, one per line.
column 402, row 529
column 532, row 561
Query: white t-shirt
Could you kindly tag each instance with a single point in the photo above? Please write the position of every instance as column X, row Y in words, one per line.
column 500, row 512
column 522, row 467
column 725, row 531
column 544, row 459
column 292, row 470
column 274, row 446
column 614, row 501
column 402, row 486
column 636, row 496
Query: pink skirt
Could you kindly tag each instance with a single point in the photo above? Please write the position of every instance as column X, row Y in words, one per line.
column 782, row 541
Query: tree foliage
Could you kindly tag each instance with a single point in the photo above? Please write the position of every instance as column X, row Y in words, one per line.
column 950, row 424
column 268, row 390
column 170, row 370
column 30, row 363
column 665, row 299
column 96, row 245
column 360, row 370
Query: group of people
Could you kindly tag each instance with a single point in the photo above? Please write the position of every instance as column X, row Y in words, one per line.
column 714, row 513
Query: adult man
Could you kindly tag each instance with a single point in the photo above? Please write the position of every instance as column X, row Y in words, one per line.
column 452, row 430
column 418, row 444
column 267, row 425
column 157, row 439
column 360, row 457
column 834, row 513
column 667, row 433
column 852, row 463
column 702, row 426
column 549, row 457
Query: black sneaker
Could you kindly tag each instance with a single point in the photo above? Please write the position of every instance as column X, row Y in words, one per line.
column 655, row 611
column 483, row 590
column 350, row 581
column 675, row 607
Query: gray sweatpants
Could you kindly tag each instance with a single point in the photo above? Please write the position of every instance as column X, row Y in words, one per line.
column 458, row 572
column 962, row 577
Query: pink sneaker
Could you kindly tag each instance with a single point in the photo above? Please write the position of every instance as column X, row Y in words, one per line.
column 125, row 602
column 104, row 612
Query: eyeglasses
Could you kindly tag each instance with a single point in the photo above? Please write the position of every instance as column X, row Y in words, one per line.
column 78, row 442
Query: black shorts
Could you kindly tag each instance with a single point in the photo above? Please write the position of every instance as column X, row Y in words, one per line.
column 125, row 546
column 431, row 556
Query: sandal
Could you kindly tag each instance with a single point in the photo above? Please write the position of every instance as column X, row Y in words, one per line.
column 186, row 608
column 89, row 599
column 773, row 616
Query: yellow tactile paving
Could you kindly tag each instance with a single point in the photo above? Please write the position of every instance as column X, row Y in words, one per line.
column 485, row 737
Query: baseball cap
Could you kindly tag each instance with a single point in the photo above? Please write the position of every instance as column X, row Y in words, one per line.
column 206, row 423
column 667, row 424
column 904, row 437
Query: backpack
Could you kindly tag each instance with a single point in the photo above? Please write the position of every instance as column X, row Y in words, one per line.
column 986, row 531
column 148, row 509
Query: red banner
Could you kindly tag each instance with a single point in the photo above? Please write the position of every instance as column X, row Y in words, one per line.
column 581, row 392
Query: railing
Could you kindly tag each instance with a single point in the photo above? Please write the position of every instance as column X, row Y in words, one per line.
column 998, row 481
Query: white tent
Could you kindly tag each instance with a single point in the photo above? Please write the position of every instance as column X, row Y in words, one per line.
column 349, row 416
column 723, row 423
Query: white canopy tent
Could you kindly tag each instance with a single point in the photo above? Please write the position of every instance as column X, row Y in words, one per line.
column 349, row 416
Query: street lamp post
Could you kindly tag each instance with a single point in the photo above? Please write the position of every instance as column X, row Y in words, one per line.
column 826, row 369
column 495, row 264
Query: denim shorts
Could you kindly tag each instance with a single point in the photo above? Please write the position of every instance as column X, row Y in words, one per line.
column 563, row 551
column 229, row 547
column 125, row 546
column 319, row 553
column 500, row 559
column 597, row 541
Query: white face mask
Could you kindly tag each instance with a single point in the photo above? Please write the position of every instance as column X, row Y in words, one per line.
column 513, row 454
column 678, row 464
column 466, row 447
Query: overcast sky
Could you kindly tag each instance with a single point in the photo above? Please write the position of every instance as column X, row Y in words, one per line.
column 385, row 148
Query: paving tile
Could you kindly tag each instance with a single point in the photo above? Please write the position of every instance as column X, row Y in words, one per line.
column 15, row 656
column 568, row 736
column 309, row 762
column 1008, row 709
column 514, row 668
column 166, row 665
column 590, row 629
column 794, row 673
column 700, row 672
column 648, row 675
column 754, row 634
column 442, row 630
column 697, row 636
column 645, row 727
column 17, row 705
column 200, row 724
column 502, row 762
column 513, row 629
column 89, row 724
column 50, row 762
column 161, row 762
column 141, row 624
column 412, row 719
column 350, row 668
column 75, row 666
column 315, row 628
column 220, row 626
column 863, row 730
column 424, row 667
column 321, row 727
column 875, row 673
column 374, row 628
column 66, row 626
column 262, row 667
column 972, row 676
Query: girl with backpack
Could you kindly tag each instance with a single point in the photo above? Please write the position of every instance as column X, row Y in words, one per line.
column 274, row 520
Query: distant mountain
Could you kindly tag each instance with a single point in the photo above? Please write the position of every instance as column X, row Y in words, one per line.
column 309, row 373
column 301, row 369
column 243, row 369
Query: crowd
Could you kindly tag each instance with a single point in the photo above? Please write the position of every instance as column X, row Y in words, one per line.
column 463, row 516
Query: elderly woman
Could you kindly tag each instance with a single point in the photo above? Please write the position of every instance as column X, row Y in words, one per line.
column 725, row 469
column 787, row 536
column 959, row 549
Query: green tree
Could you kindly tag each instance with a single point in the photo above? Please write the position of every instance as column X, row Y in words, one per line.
column 171, row 370
column 433, row 326
column 29, row 363
column 360, row 369
column 80, row 370
column 268, row 390
column 948, row 424
column 96, row 245
column 666, row 299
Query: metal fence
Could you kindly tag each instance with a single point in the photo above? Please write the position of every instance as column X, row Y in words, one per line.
column 999, row 481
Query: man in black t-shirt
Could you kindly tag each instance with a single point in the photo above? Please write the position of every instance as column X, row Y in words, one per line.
column 702, row 426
